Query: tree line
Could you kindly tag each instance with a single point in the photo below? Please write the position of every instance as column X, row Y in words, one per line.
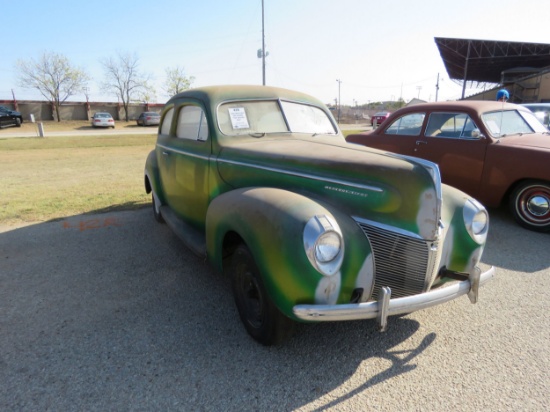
column 57, row 79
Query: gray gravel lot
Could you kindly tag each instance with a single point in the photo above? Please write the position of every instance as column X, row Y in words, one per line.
column 111, row 312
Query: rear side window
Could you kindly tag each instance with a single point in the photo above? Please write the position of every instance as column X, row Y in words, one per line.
column 408, row 125
column 167, row 122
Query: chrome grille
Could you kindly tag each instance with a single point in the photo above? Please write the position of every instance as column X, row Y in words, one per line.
column 401, row 262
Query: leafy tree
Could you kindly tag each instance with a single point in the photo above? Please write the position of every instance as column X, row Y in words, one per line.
column 123, row 78
column 176, row 80
column 53, row 76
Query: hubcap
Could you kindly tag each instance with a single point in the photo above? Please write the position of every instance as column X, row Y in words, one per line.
column 538, row 205
column 533, row 205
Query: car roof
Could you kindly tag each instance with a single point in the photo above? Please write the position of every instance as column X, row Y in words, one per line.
column 479, row 106
column 217, row 94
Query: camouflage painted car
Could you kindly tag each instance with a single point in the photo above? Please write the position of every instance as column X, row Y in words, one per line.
column 261, row 182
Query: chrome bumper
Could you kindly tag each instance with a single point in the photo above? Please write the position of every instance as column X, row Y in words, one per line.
column 385, row 306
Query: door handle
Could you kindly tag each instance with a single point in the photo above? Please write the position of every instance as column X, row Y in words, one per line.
column 165, row 153
column 420, row 141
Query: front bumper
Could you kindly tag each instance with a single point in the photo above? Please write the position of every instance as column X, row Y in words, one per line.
column 386, row 306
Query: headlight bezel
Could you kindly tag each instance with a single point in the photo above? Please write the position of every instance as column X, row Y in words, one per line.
column 322, row 237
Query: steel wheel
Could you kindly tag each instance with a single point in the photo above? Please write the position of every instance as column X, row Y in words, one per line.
column 260, row 316
column 530, row 205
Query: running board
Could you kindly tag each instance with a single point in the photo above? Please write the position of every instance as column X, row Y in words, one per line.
column 192, row 238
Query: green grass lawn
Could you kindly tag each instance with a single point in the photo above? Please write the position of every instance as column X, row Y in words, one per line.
column 55, row 177
column 50, row 178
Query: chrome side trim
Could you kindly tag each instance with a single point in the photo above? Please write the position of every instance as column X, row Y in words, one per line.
column 372, row 310
column 304, row 175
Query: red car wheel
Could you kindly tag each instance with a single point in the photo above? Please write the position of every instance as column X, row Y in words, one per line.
column 530, row 205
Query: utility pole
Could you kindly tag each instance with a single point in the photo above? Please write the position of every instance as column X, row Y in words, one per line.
column 339, row 102
column 437, row 87
column 263, row 46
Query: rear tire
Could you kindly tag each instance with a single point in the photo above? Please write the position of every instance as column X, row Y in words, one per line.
column 260, row 317
column 530, row 205
column 156, row 210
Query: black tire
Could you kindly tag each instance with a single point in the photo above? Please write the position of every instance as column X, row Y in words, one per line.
column 17, row 122
column 261, row 318
column 156, row 210
column 530, row 205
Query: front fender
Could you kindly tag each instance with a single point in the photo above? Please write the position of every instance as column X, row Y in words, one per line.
column 460, row 253
column 271, row 223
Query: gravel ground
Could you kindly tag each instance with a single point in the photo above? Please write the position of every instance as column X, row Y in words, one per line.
column 111, row 312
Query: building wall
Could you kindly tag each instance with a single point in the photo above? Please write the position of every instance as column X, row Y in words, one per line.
column 43, row 110
column 531, row 89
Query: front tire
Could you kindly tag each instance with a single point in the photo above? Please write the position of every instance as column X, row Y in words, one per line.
column 261, row 318
column 530, row 205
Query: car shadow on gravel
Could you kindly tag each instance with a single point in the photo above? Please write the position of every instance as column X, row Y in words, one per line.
column 111, row 311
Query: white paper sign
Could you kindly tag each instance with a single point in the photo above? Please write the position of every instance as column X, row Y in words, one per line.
column 238, row 118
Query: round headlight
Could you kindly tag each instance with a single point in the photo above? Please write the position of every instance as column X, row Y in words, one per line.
column 327, row 247
column 324, row 244
column 476, row 220
column 479, row 223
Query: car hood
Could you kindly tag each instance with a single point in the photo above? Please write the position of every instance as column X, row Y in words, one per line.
column 534, row 140
column 370, row 184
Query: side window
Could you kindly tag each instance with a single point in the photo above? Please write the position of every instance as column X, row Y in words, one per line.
column 409, row 125
column 453, row 125
column 167, row 122
column 192, row 124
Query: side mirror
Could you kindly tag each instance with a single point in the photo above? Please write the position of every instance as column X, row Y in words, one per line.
column 476, row 134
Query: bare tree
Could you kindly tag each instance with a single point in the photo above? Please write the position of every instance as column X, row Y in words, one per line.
column 123, row 78
column 176, row 80
column 53, row 76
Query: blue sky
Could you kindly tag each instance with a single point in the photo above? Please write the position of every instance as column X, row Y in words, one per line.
column 380, row 50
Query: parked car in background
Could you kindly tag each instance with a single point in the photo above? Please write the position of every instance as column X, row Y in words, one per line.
column 101, row 119
column 148, row 119
column 10, row 117
column 378, row 118
column 261, row 183
column 496, row 153
column 541, row 111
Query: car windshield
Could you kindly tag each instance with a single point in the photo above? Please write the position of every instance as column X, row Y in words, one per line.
column 272, row 116
column 503, row 123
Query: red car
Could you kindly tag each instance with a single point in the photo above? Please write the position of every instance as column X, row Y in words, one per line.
column 378, row 118
column 496, row 152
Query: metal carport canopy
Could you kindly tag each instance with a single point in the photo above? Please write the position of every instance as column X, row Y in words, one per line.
column 484, row 61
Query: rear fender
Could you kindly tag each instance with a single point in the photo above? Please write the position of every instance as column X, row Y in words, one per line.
column 152, row 177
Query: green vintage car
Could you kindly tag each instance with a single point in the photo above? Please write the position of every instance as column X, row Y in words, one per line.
column 260, row 181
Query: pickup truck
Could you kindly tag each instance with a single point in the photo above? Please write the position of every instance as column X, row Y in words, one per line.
column 261, row 182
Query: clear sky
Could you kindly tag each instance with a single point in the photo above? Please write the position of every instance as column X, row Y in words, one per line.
column 379, row 50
